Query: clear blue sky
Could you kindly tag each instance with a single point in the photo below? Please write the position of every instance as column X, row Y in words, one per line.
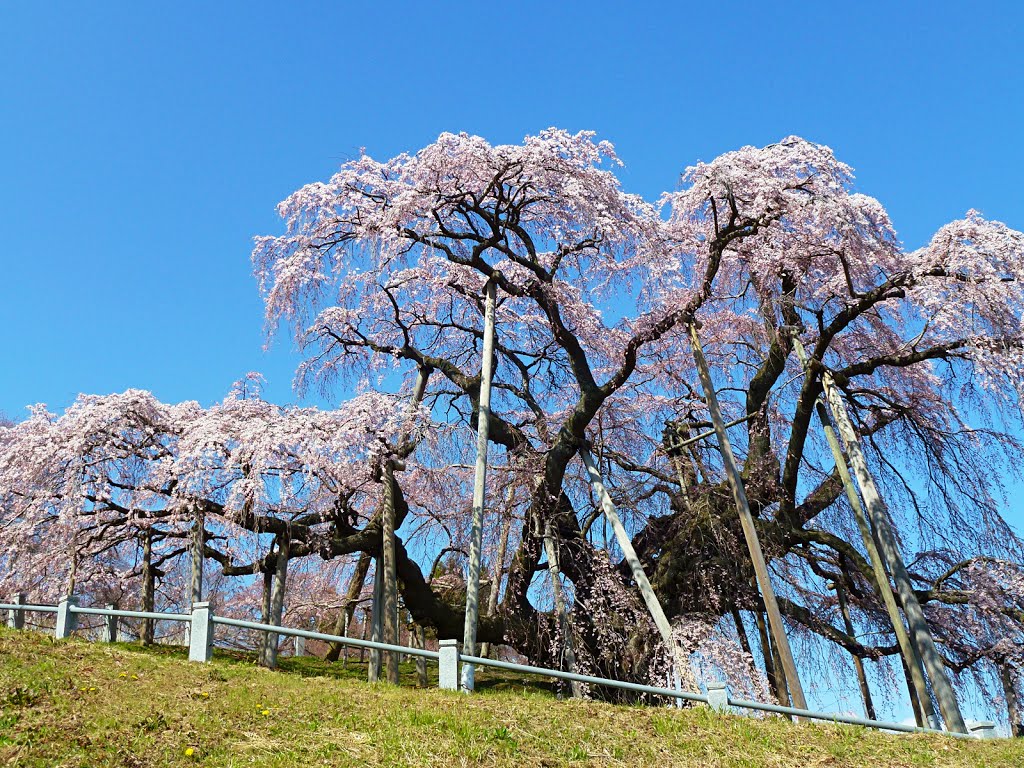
column 143, row 147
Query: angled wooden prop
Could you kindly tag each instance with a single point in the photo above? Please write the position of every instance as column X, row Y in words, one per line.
column 889, row 551
column 639, row 576
column 911, row 657
column 771, row 604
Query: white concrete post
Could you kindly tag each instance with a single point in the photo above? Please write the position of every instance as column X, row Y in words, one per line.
column 479, row 488
column 16, row 616
column 66, row 620
column 718, row 696
column 300, row 645
column 984, row 729
column 200, row 639
column 448, row 665
column 110, row 625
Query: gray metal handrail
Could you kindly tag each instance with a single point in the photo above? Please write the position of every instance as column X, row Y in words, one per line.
column 742, row 703
column 204, row 635
column 309, row 635
column 573, row 676
column 837, row 718
column 27, row 607
column 131, row 614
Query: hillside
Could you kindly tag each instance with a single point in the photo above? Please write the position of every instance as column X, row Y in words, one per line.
column 83, row 704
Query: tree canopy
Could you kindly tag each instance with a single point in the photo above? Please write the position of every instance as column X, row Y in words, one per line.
column 379, row 275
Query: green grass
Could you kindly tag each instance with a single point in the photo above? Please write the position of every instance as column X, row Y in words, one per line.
column 72, row 703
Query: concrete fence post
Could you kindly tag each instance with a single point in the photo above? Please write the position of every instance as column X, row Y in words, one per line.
column 110, row 625
column 718, row 696
column 300, row 645
column 200, row 641
column 448, row 662
column 66, row 620
column 16, row 616
column 984, row 729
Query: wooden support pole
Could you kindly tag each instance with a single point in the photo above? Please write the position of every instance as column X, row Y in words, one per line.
column 388, row 561
column 268, row 589
column 1007, row 673
column 421, row 663
column 915, row 670
column 561, row 611
column 741, row 633
column 778, row 630
column 768, row 657
column 915, row 700
column 389, row 589
column 72, row 580
column 148, row 586
column 780, row 677
column 277, row 599
column 373, row 669
column 697, row 438
column 635, row 566
column 342, row 625
column 858, row 663
column 499, row 562
column 198, row 543
column 363, row 634
column 920, row 634
column 479, row 489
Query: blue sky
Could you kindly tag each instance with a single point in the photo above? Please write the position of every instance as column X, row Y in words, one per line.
column 143, row 147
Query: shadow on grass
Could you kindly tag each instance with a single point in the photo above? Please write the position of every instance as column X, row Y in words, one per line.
column 487, row 681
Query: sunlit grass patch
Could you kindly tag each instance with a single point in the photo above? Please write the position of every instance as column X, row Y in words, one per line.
column 149, row 708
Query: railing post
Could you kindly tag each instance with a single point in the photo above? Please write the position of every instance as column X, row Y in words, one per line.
column 16, row 616
column 200, row 641
column 299, row 645
column 718, row 696
column 66, row 620
column 448, row 663
column 981, row 728
column 110, row 625
column 985, row 729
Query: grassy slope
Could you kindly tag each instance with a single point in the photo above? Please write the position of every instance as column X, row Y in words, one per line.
column 84, row 704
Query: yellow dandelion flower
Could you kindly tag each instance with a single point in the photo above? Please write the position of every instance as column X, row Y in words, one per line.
column 123, row 674
column 205, row 695
column 265, row 712
column 189, row 752
column 93, row 689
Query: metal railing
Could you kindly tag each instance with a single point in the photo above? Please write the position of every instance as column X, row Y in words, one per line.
column 203, row 621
